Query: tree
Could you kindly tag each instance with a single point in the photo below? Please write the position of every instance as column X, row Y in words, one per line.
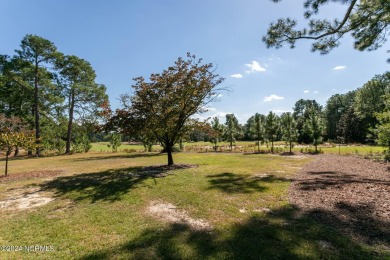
column 383, row 128
column 165, row 103
column 12, row 135
column 257, row 128
column 83, row 94
column 232, row 129
column 271, row 128
column 351, row 127
column 39, row 52
column 369, row 100
column 216, row 132
column 15, row 93
column 301, row 112
column 336, row 106
column 367, row 21
column 289, row 129
column 115, row 140
column 314, row 127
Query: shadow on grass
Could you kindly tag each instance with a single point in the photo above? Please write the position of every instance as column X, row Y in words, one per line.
column 108, row 185
column 233, row 183
column 19, row 157
column 118, row 156
column 358, row 221
column 278, row 235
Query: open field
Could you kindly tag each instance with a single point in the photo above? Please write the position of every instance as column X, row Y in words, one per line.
column 250, row 147
column 124, row 205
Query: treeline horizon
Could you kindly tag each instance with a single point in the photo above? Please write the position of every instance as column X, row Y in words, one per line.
column 358, row 116
column 57, row 96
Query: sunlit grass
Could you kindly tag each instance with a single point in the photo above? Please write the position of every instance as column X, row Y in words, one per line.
column 249, row 147
column 100, row 209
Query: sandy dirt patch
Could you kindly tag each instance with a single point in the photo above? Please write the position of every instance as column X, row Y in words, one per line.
column 168, row 212
column 22, row 199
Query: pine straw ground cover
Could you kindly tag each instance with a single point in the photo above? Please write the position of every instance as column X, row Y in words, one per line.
column 209, row 206
column 349, row 194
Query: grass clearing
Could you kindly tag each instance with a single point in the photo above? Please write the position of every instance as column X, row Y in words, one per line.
column 249, row 147
column 101, row 202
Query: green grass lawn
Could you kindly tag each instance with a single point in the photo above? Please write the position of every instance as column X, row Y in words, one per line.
column 101, row 204
column 248, row 146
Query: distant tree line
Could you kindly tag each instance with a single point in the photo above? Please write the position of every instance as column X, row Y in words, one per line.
column 359, row 116
column 54, row 95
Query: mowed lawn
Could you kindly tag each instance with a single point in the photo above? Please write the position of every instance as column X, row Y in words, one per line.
column 102, row 209
column 250, row 147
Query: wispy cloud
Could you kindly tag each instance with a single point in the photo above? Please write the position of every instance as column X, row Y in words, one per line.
column 280, row 111
column 272, row 98
column 254, row 66
column 316, row 92
column 237, row 76
column 211, row 109
column 306, row 91
column 211, row 113
column 340, row 67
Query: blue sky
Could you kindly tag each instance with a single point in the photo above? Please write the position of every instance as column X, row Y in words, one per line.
column 123, row 39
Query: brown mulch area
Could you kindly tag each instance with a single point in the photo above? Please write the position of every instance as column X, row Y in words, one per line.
column 29, row 175
column 348, row 193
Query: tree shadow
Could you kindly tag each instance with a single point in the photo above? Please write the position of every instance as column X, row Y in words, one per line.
column 359, row 221
column 333, row 178
column 118, row 156
column 108, row 185
column 283, row 234
column 233, row 183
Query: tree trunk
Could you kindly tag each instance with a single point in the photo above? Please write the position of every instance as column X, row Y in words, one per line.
column 170, row 158
column 290, row 146
column 272, row 146
column 70, row 122
column 36, row 111
column 258, row 146
column 16, row 151
column 6, row 162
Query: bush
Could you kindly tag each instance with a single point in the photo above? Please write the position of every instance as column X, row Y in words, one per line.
column 81, row 144
column 386, row 155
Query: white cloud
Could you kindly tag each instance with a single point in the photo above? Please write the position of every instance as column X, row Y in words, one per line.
column 237, row 76
column 316, row 92
column 340, row 67
column 254, row 66
column 272, row 98
column 210, row 114
column 220, row 114
column 280, row 111
column 306, row 91
column 211, row 109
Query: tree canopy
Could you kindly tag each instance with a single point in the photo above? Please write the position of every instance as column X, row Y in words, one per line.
column 84, row 96
column 367, row 21
column 165, row 103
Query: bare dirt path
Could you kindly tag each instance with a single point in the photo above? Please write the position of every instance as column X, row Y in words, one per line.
column 348, row 193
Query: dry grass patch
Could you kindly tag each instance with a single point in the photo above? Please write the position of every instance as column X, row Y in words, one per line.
column 168, row 212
